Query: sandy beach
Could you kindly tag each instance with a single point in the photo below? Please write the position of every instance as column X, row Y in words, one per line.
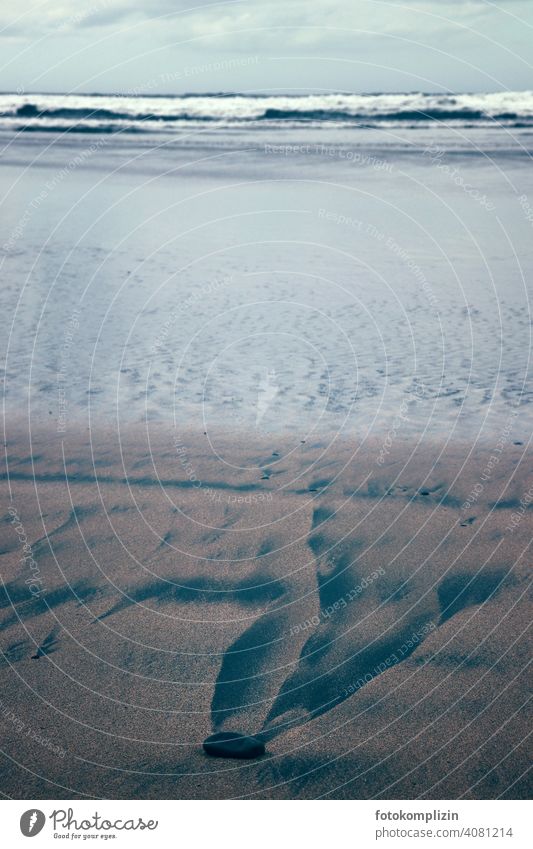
column 267, row 446
column 365, row 614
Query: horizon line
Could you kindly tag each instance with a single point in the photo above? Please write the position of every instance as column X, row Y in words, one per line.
column 258, row 93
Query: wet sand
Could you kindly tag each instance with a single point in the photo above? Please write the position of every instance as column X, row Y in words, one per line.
column 278, row 480
column 165, row 279
column 364, row 610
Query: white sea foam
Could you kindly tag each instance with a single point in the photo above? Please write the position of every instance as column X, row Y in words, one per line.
column 50, row 111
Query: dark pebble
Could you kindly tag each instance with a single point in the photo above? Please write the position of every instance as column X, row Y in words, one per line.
column 469, row 521
column 231, row 744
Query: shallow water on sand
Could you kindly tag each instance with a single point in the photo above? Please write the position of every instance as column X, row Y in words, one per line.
column 187, row 547
column 219, row 281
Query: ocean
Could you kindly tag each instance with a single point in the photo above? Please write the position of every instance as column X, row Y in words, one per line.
column 267, row 422
column 148, row 113
column 327, row 262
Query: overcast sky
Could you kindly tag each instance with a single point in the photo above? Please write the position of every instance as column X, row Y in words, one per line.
column 179, row 46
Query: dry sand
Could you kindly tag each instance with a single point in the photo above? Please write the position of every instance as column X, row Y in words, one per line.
column 368, row 620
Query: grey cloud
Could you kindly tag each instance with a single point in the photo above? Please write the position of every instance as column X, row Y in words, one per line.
column 148, row 35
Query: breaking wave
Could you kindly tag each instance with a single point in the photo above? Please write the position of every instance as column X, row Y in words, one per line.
column 108, row 113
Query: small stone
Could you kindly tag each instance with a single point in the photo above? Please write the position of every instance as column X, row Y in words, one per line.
column 231, row 744
column 469, row 521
